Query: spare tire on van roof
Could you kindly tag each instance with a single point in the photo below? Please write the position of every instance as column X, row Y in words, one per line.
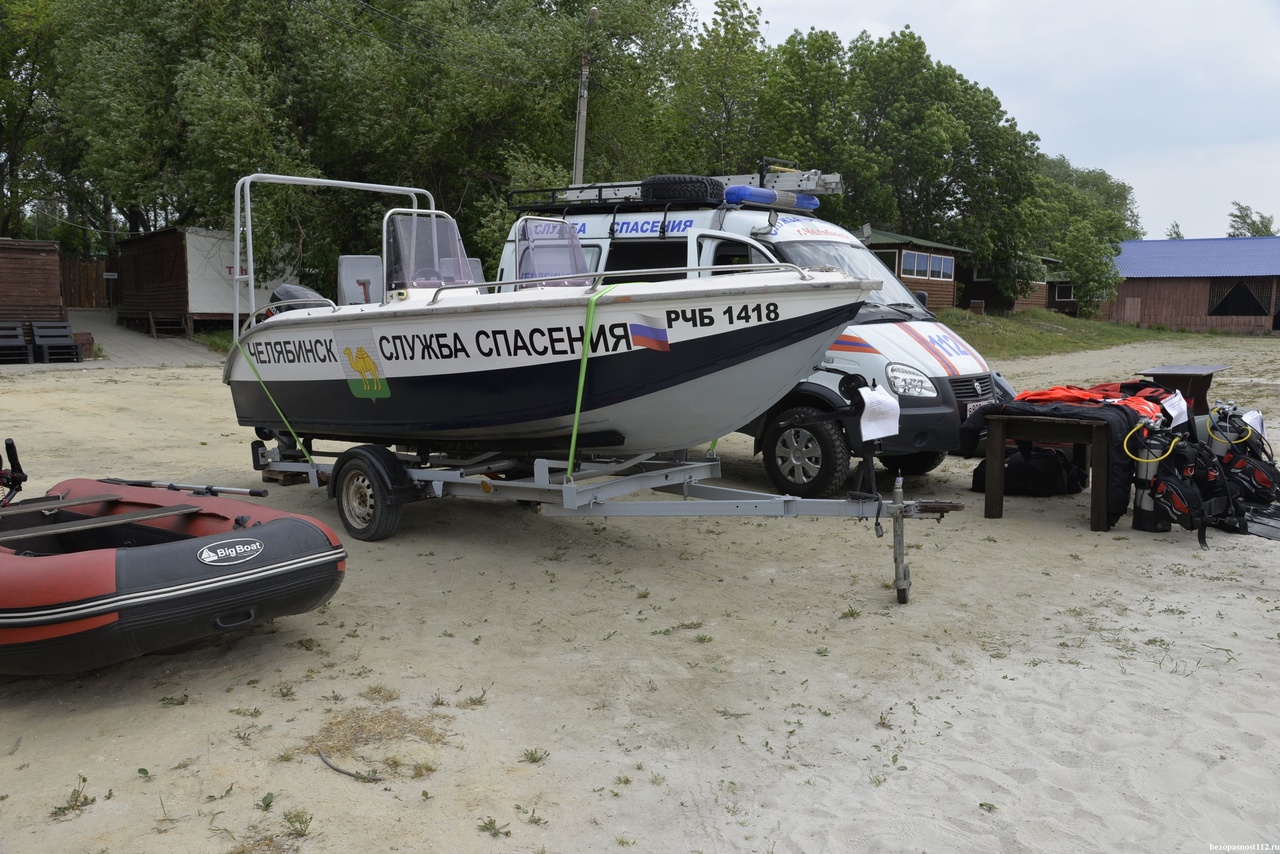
column 682, row 188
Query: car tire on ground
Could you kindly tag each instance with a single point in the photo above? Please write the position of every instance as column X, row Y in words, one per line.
column 807, row 461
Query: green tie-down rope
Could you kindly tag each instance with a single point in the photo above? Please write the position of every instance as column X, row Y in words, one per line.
column 582, row 374
column 267, row 392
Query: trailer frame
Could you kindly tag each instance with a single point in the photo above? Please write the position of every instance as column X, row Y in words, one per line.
column 371, row 483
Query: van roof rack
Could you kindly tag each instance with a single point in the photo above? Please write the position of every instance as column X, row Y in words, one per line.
column 628, row 196
column 778, row 175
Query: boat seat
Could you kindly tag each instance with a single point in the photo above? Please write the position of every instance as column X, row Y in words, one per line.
column 98, row 522
column 52, row 502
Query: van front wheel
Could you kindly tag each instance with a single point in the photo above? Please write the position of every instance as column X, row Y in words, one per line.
column 805, row 460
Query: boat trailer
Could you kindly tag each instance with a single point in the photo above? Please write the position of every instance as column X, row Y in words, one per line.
column 371, row 483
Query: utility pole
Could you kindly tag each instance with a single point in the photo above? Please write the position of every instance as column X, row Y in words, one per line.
column 584, row 81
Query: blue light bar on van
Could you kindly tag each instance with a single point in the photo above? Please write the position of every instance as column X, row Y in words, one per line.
column 742, row 194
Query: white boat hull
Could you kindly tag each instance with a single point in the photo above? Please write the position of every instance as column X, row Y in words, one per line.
column 670, row 364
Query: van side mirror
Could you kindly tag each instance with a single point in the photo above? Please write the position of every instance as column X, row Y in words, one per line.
column 923, row 298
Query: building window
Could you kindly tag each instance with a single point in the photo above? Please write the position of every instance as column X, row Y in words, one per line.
column 921, row 265
column 942, row 267
column 1064, row 293
column 915, row 264
column 889, row 259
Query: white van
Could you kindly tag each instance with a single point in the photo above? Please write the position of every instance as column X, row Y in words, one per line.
column 682, row 221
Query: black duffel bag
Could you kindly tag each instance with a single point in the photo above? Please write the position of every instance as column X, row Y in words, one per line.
column 1046, row 471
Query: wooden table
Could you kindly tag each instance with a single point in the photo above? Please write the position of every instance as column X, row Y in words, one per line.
column 1088, row 438
column 1192, row 380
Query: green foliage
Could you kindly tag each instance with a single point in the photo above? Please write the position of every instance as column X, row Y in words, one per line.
column 1040, row 333
column 27, row 36
column 147, row 115
column 716, row 105
column 1243, row 222
column 1079, row 217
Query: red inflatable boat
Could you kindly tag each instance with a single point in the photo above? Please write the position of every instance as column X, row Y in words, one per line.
column 99, row 571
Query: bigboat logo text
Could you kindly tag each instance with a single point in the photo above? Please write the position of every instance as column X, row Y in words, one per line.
column 228, row 552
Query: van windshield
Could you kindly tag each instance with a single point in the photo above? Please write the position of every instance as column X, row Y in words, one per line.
column 855, row 260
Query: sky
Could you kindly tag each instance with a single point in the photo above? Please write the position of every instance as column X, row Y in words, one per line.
column 1179, row 100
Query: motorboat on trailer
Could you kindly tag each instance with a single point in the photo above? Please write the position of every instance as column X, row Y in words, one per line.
column 95, row 572
column 418, row 352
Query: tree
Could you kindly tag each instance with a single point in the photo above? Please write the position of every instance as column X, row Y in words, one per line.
column 1080, row 217
column 26, row 39
column 936, row 156
column 1088, row 261
column 1173, row 232
column 715, row 98
column 1243, row 222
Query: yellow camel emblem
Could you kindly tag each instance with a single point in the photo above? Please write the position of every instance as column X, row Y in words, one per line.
column 362, row 364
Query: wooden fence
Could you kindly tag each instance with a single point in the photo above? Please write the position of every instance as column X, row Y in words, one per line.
column 84, row 284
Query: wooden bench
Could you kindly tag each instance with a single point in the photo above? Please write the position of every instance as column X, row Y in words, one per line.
column 97, row 522
column 48, row 503
column 1088, row 438
column 55, row 342
column 14, row 348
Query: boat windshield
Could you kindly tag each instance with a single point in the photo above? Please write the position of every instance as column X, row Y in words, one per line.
column 547, row 248
column 424, row 250
column 855, row 260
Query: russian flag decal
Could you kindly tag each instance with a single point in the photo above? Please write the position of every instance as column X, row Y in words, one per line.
column 649, row 332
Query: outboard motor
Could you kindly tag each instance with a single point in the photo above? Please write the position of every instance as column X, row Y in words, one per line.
column 295, row 296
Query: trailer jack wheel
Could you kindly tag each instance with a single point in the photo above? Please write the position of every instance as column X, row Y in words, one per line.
column 364, row 501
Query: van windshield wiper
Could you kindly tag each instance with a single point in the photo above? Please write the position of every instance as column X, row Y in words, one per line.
column 900, row 310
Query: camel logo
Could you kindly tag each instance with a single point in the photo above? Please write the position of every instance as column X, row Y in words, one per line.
column 359, row 365
column 228, row 552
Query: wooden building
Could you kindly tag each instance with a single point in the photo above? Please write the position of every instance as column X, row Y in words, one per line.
column 1223, row 284
column 175, row 280
column 30, row 281
column 922, row 265
column 978, row 291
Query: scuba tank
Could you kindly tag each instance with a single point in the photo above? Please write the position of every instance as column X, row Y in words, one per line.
column 1154, row 446
column 1225, row 430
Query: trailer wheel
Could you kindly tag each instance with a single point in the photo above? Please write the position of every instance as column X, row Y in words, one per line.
column 902, row 597
column 364, row 501
column 809, row 461
column 679, row 188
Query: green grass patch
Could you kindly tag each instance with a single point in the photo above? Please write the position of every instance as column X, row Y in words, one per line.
column 1040, row 332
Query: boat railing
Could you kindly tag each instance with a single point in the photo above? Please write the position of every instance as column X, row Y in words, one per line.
column 284, row 305
column 646, row 275
column 243, row 218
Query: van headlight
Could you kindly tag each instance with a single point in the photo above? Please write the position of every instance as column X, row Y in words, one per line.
column 906, row 381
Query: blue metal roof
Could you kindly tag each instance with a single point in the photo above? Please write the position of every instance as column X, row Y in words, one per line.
column 1204, row 258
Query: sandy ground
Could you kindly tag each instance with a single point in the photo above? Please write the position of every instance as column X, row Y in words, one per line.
column 524, row 683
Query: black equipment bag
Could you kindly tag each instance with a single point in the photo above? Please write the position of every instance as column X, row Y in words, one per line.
column 1040, row 472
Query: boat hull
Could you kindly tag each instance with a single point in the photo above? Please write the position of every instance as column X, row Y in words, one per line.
column 71, row 602
column 668, row 368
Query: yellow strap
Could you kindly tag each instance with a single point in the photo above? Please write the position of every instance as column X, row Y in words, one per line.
column 267, row 392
